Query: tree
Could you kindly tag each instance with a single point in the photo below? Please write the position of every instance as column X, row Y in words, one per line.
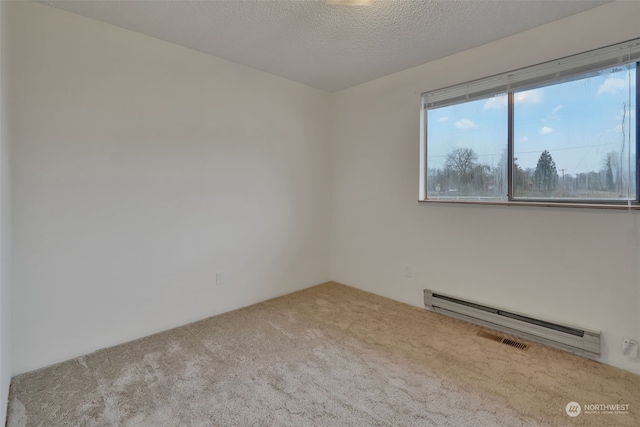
column 461, row 162
column 460, row 165
column 610, row 162
column 520, row 180
column 479, row 177
column 500, row 174
column 546, row 176
column 438, row 180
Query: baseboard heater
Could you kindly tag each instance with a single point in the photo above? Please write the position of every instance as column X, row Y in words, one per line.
column 564, row 337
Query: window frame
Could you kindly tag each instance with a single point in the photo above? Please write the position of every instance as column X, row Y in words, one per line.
column 572, row 66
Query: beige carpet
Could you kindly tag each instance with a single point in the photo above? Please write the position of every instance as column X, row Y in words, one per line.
column 326, row 356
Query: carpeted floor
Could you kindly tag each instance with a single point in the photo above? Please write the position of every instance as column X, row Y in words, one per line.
column 325, row 356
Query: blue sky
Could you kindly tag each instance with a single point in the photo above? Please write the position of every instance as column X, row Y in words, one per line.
column 578, row 122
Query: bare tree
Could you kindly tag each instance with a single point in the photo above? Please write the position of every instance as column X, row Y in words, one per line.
column 461, row 161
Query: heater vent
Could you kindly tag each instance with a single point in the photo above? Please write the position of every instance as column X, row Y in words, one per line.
column 570, row 338
column 507, row 341
column 515, row 344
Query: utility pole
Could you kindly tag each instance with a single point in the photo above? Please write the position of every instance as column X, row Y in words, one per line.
column 562, row 170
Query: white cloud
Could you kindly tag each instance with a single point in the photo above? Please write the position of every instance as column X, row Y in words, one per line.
column 546, row 130
column 618, row 128
column 523, row 139
column 465, row 124
column 612, row 86
column 532, row 96
column 443, row 119
column 558, row 108
column 495, row 103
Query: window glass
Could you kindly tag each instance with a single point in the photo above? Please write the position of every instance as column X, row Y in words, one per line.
column 576, row 139
column 467, row 150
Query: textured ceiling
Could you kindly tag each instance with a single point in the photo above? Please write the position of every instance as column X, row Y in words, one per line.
column 327, row 46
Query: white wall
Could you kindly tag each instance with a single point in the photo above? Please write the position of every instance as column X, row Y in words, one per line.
column 571, row 265
column 5, row 234
column 140, row 168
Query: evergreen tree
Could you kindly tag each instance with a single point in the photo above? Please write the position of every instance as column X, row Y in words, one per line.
column 500, row 173
column 519, row 180
column 546, row 175
column 609, row 163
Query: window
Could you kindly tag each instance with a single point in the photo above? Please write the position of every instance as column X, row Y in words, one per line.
column 560, row 133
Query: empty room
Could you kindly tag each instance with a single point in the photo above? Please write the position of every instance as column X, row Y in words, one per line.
column 319, row 213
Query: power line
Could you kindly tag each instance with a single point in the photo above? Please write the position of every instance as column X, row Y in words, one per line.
column 566, row 148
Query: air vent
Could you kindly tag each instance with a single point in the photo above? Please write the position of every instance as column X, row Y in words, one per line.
column 507, row 341
column 516, row 344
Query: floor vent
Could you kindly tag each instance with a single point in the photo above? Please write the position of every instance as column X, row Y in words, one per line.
column 507, row 341
column 569, row 338
column 516, row 344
